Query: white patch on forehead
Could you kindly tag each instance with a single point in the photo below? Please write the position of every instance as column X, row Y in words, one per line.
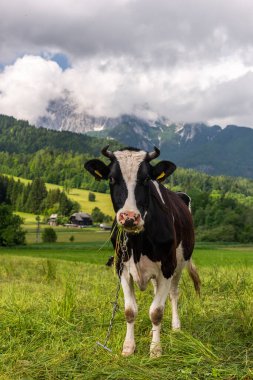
column 129, row 162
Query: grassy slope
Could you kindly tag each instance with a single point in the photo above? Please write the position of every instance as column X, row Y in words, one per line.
column 52, row 312
column 103, row 201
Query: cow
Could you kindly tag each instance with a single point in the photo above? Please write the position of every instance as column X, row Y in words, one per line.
column 152, row 234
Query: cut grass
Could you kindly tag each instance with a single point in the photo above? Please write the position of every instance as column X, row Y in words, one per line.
column 52, row 313
column 103, row 201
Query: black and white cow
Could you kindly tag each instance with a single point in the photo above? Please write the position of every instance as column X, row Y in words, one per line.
column 160, row 234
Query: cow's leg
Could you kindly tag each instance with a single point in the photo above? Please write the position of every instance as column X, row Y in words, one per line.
column 174, row 288
column 154, row 283
column 131, row 310
column 174, row 298
column 156, row 314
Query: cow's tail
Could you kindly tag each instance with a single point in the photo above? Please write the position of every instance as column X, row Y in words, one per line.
column 194, row 276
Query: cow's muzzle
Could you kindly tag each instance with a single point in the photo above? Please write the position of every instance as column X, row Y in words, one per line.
column 130, row 220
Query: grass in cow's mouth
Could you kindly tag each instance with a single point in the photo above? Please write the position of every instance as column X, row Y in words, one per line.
column 121, row 238
column 133, row 230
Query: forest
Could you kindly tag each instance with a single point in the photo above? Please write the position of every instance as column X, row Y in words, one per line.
column 35, row 198
column 18, row 136
column 222, row 206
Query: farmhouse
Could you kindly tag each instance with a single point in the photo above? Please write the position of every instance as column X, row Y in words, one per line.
column 52, row 221
column 80, row 219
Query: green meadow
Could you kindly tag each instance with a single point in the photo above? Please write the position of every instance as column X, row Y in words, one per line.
column 55, row 305
column 64, row 234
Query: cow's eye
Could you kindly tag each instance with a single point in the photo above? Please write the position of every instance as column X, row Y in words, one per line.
column 112, row 180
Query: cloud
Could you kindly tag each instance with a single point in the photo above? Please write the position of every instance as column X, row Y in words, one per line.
column 189, row 60
column 27, row 86
column 231, row 102
column 154, row 33
column 112, row 87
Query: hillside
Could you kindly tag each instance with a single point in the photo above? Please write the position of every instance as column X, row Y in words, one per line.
column 18, row 136
column 213, row 150
column 56, row 157
column 210, row 149
column 103, row 201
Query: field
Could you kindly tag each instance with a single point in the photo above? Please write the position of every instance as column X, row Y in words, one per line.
column 56, row 304
column 80, row 235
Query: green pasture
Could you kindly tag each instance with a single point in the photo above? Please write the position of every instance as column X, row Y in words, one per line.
column 97, row 248
column 29, row 219
column 103, row 201
column 64, row 234
column 55, row 304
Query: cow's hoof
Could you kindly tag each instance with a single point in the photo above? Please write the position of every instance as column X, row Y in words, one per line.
column 176, row 327
column 128, row 349
column 155, row 350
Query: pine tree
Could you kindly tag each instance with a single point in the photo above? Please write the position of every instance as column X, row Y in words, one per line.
column 37, row 194
column 11, row 232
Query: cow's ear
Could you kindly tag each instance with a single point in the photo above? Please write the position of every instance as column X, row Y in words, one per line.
column 98, row 169
column 162, row 170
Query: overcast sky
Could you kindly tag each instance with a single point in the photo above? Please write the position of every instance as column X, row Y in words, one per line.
column 188, row 60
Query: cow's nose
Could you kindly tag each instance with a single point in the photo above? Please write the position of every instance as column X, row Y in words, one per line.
column 129, row 219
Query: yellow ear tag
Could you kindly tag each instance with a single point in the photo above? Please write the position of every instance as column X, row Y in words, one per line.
column 99, row 174
column 163, row 174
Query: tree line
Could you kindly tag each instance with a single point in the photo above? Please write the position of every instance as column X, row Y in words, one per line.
column 61, row 168
column 222, row 207
column 35, row 198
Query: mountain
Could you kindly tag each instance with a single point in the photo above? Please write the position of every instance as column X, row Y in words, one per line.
column 18, row 136
column 211, row 149
column 63, row 115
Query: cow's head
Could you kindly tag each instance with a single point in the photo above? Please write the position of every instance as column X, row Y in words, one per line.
column 129, row 173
